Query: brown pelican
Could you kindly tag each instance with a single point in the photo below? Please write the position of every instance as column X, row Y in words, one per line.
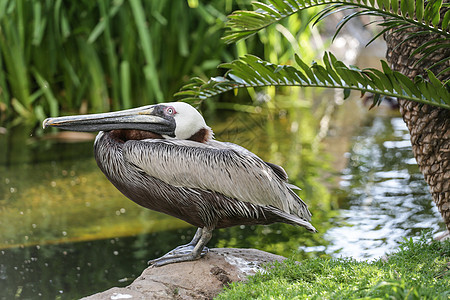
column 164, row 158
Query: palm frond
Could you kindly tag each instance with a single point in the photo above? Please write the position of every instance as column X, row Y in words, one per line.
column 242, row 24
column 251, row 71
column 391, row 16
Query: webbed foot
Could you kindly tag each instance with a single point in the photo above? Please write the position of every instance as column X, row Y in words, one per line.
column 179, row 254
column 192, row 251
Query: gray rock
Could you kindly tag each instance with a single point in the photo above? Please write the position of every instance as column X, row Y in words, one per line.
column 200, row 279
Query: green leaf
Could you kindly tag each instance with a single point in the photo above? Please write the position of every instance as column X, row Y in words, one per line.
column 431, row 12
column 394, row 5
column 445, row 20
column 445, row 71
column 327, row 11
column 125, row 81
column 347, row 93
column 345, row 20
column 435, row 12
column 269, row 10
column 439, row 86
column 20, row 109
column 375, row 81
column 46, row 89
column 386, row 68
column 100, row 27
column 380, row 3
column 150, row 72
column 432, row 49
column 386, row 29
column 251, row 71
column 404, row 7
column 358, row 78
column 321, row 73
column 410, row 6
column 280, row 6
column 426, row 92
column 376, row 101
column 419, row 10
column 38, row 24
column 426, row 45
column 248, row 20
column 329, row 68
column 407, row 84
column 343, row 71
column 387, row 84
column 306, row 69
column 241, row 25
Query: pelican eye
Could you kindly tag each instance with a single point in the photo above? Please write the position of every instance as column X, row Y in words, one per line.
column 170, row 111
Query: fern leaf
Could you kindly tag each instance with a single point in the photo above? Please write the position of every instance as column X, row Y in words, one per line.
column 392, row 17
column 251, row 71
column 411, row 12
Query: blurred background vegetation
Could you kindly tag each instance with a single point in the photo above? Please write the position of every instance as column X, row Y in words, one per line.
column 60, row 57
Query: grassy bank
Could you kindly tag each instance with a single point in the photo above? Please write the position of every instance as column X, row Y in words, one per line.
column 418, row 270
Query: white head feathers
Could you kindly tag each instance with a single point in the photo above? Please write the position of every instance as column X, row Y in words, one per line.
column 188, row 121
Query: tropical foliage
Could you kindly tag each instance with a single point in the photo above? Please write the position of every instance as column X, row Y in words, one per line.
column 250, row 71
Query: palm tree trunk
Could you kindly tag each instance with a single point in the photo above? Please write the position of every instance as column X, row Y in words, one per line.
column 429, row 126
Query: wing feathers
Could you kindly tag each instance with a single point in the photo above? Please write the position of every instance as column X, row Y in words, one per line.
column 281, row 173
column 221, row 167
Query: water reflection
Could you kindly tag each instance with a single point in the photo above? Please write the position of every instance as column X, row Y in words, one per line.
column 386, row 195
column 73, row 270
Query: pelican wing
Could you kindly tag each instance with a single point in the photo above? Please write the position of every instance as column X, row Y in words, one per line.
column 276, row 168
column 220, row 167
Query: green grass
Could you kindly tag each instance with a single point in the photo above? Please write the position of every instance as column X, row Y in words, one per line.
column 418, row 270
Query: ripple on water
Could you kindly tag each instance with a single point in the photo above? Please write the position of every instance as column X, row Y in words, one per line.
column 388, row 198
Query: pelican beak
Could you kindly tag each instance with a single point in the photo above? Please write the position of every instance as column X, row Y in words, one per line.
column 148, row 118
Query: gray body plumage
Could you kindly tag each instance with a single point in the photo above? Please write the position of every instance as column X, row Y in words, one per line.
column 164, row 158
column 210, row 184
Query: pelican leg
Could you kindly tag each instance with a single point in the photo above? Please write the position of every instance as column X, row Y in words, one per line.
column 189, row 246
column 192, row 251
column 183, row 249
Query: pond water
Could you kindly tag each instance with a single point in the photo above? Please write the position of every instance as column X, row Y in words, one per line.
column 386, row 197
column 65, row 232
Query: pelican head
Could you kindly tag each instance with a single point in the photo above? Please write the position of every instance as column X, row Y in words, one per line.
column 176, row 120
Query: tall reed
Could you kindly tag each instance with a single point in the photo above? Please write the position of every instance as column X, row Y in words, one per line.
column 90, row 56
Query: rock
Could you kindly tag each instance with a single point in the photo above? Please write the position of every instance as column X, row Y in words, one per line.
column 200, row 279
column 442, row 236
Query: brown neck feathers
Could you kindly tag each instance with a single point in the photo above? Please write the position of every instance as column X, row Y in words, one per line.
column 201, row 136
column 124, row 135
